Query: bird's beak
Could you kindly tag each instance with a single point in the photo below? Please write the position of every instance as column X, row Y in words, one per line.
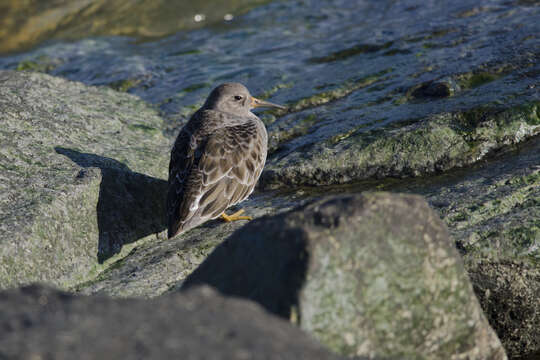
column 261, row 103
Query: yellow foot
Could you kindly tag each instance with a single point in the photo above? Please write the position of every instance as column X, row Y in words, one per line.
column 235, row 216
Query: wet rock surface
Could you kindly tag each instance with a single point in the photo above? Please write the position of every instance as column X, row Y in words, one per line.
column 357, row 272
column 39, row 322
column 348, row 83
column 439, row 143
column 434, row 99
column 492, row 208
column 428, row 93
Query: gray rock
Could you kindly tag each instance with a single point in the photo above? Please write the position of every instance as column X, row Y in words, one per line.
column 437, row 143
column 159, row 265
column 389, row 96
column 372, row 275
column 82, row 188
column 81, row 177
column 41, row 323
column 492, row 211
column 509, row 293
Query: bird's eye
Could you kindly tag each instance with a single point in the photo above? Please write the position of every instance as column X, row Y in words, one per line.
column 237, row 97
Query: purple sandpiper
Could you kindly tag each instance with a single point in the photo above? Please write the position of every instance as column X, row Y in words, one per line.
column 216, row 159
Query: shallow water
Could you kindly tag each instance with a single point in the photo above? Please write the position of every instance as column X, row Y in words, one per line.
column 344, row 66
column 24, row 24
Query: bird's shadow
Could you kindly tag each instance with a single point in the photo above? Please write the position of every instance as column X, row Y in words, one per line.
column 130, row 205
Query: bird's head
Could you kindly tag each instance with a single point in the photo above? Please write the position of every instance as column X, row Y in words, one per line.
column 235, row 98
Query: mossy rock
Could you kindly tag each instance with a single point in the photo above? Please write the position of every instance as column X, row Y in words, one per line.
column 160, row 265
column 81, row 176
column 425, row 146
column 373, row 275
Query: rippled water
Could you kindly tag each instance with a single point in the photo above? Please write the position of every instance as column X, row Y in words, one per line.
column 366, row 54
column 27, row 23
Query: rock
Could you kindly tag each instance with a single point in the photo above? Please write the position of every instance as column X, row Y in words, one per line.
column 39, row 322
column 438, row 143
column 82, row 172
column 491, row 210
column 516, row 318
column 433, row 89
column 386, row 103
column 352, row 112
column 160, row 265
column 373, row 275
column 82, row 188
column 492, row 213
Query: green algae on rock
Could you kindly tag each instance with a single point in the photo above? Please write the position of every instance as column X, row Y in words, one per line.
column 437, row 143
column 492, row 211
column 80, row 177
column 373, row 275
column 42, row 64
column 331, row 95
column 124, row 85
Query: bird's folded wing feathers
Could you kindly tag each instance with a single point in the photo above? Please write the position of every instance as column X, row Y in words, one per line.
column 182, row 157
column 222, row 171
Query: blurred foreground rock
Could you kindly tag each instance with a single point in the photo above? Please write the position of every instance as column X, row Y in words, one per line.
column 41, row 323
column 373, row 275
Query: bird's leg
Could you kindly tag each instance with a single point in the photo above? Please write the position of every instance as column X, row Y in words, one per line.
column 235, row 216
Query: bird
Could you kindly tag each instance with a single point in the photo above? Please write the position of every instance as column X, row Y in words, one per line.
column 216, row 160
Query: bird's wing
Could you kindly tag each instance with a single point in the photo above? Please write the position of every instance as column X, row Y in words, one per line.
column 222, row 171
column 182, row 158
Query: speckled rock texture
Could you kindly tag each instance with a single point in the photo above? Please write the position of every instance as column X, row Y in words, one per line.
column 373, row 275
column 81, row 171
column 516, row 318
column 41, row 323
